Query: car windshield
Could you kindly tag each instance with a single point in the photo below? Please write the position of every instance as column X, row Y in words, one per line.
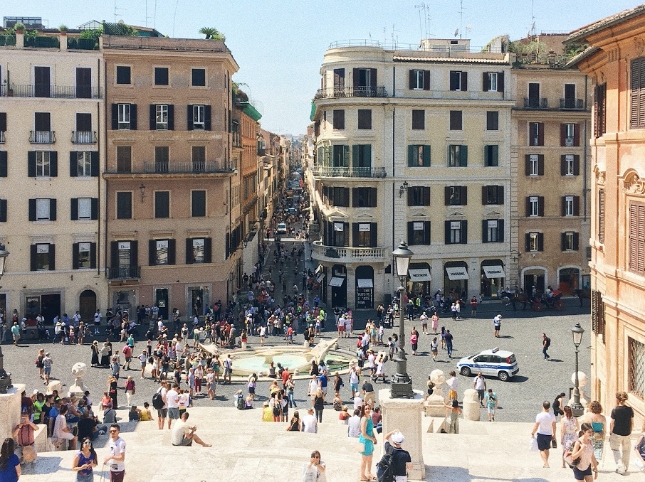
column 512, row 358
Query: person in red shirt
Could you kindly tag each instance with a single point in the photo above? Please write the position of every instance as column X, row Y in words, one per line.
column 127, row 353
column 285, row 377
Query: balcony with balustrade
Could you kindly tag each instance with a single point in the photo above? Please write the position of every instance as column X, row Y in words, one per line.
column 536, row 103
column 343, row 254
column 84, row 137
column 358, row 91
column 571, row 104
column 52, row 91
column 123, row 273
column 42, row 137
column 363, row 172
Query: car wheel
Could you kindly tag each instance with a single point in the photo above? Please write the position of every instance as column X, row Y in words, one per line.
column 503, row 376
column 465, row 371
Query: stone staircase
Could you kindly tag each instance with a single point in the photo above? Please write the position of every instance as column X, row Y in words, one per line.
column 244, row 449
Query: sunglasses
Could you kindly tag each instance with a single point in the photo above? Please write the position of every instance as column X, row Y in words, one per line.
column 113, row 431
column 87, row 443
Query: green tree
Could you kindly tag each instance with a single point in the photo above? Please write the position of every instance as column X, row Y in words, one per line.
column 212, row 33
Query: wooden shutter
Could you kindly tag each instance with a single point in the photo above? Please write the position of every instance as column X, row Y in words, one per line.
column 576, row 135
column 171, row 251
column 540, row 133
column 500, row 230
column 92, row 255
column 410, row 233
column 345, row 154
column 52, row 209
column 485, row 82
column 373, row 197
column 576, row 165
column 411, row 79
column 114, row 256
column 576, row 205
column 356, row 79
column 426, row 80
column 540, row 205
column 601, row 216
column 426, row 232
column 355, row 156
column 189, row 251
column 500, row 194
column 426, row 196
column 152, row 252
column 464, row 232
column 426, row 156
column 373, row 235
column 207, row 117
column 189, row 118
column 133, row 117
column 576, row 241
column 446, row 232
column 463, row 156
column 411, row 191
column 527, row 242
column 31, row 164
column 540, row 239
column 454, row 80
column 3, row 210
column 33, row 258
column 73, row 164
column 540, row 164
column 208, row 250
column 32, row 210
column 563, row 205
column 373, row 80
column 171, row 117
column 75, row 256
column 485, row 231
column 527, row 164
column 484, row 195
column 355, row 232
column 3, row 120
column 52, row 257
column 500, row 82
column 95, row 208
column 53, row 163
column 563, row 134
column 3, row 163
column 446, row 194
column 153, row 117
column 464, row 195
column 563, row 165
column 563, row 241
column 74, row 209
column 134, row 253
column 115, row 117
column 355, row 197
column 464, row 81
column 528, row 206
column 411, row 156
column 94, row 163
column 346, row 235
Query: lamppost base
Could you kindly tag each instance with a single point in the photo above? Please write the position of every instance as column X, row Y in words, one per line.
column 401, row 386
column 577, row 409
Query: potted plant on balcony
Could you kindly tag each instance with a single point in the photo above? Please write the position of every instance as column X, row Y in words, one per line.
column 63, row 29
column 19, row 27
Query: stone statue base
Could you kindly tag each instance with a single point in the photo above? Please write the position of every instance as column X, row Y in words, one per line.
column 471, row 405
column 10, row 410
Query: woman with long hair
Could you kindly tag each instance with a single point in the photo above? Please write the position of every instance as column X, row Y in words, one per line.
column 112, row 391
column 85, row 461
column 295, row 424
column 587, row 465
column 319, row 404
column 9, row 462
column 368, row 440
column 599, row 424
column 568, row 431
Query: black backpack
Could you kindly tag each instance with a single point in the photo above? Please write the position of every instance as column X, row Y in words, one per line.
column 384, row 468
column 157, row 401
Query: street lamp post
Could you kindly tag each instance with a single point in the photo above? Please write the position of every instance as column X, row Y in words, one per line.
column 401, row 382
column 5, row 378
column 576, row 407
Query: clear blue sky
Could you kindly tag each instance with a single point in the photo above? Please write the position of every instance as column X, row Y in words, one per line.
column 279, row 44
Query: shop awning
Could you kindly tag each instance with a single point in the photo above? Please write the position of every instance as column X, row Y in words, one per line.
column 336, row 282
column 457, row 273
column 419, row 275
column 493, row 272
column 318, row 269
column 320, row 277
column 365, row 283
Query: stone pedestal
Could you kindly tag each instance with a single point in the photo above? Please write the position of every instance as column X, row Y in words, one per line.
column 10, row 410
column 55, row 385
column 471, row 405
column 404, row 414
column 435, row 405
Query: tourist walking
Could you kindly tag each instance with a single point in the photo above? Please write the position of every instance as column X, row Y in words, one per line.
column 479, row 384
column 85, row 461
column 544, row 428
column 599, row 424
column 587, row 466
column 367, row 439
column 546, row 343
column 116, row 458
column 453, row 416
column 568, row 431
column 620, row 428
column 491, row 401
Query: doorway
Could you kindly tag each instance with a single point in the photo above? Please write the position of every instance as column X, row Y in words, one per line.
column 87, row 305
column 338, row 285
column 533, row 283
column 161, row 300
column 197, row 301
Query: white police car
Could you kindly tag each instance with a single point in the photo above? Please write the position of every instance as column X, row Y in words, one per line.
column 282, row 228
column 495, row 363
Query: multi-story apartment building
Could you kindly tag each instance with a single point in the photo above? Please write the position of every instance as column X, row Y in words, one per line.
column 615, row 61
column 169, row 173
column 412, row 145
column 550, row 158
column 51, row 152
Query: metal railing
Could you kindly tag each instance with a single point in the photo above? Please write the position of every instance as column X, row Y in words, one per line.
column 571, row 104
column 54, row 91
column 357, row 254
column 84, row 137
column 536, row 103
column 42, row 137
column 339, row 92
column 326, row 171
column 195, row 167
column 123, row 272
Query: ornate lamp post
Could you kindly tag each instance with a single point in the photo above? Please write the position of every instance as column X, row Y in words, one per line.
column 401, row 382
column 576, row 406
column 5, row 378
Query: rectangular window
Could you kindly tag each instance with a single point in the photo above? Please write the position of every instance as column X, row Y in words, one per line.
column 364, row 197
column 124, row 116
column 534, row 165
column 84, row 208
column 571, row 206
column 162, row 204
column 418, row 119
column 600, row 110
column 569, row 135
column 340, row 156
column 339, row 196
column 457, row 156
column 123, row 74
column 363, row 235
column 83, row 122
column 419, row 80
column 43, row 209
column 42, row 82
column 458, row 80
column 491, row 156
column 418, row 156
column 536, row 133
column 199, row 116
column 601, row 216
column 570, row 165
column 124, row 205
column 364, row 118
column 636, row 368
column 534, row 95
column 534, row 206
column 419, row 196
column 84, row 256
column 43, row 257
column 637, row 94
column 198, row 204
column 198, row 78
column 43, row 165
column 197, row 249
column 455, row 232
column 124, row 258
column 162, row 157
column 455, row 195
column 492, row 120
column 362, row 159
column 43, row 128
column 161, row 75
column 161, row 252
column 492, row 195
column 637, row 237
column 570, row 241
column 418, row 233
column 339, row 120
column 534, row 242
column 493, row 231
column 161, row 117
column 456, row 120
column 492, row 81
column 123, row 158
column 199, row 158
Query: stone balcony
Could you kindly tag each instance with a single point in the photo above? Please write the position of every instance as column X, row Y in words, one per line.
column 341, row 254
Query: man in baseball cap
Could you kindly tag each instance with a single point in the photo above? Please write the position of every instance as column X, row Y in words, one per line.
column 401, row 460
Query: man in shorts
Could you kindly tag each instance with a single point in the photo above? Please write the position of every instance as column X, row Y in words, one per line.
column 97, row 321
column 183, row 435
column 116, row 458
column 545, row 429
column 228, row 369
column 162, row 413
column 172, row 403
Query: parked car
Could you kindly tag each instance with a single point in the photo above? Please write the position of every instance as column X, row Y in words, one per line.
column 282, row 228
column 495, row 363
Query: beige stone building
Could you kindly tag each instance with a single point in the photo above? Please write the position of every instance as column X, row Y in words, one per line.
column 52, row 145
column 171, row 236
column 551, row 169
column 413, row 145
column 615, row 62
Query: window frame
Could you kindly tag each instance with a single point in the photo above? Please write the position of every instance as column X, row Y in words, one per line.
column 534, row 203
column 117, row 74
column 161, row 205
column 124, row 119
column 197, row 211
column 364, row 120
column 123, row 200
column 457, row 155
column 338, row 119
column 418, row 119
column 162, row 112
column 192, row 77
column 43, row 164
column 419, row 237
column 42, row 205
column 121, row 161
column 199, row 112
column 492, row 117
column 419, row 152
column 456, row 120
column 158, row 76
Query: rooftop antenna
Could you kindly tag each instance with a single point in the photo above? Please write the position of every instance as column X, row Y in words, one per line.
column 461, row 18
column 115, row 11
column 394, row 36
column 174, row 17
column 532, row 28
column 424, row 19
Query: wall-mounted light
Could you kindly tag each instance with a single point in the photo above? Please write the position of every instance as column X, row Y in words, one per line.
column 142, row 190
column 403, row 188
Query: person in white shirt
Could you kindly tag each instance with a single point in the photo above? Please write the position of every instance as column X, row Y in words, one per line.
column 97, row 321
column 358, row 402
column 354, row 424
column 172, row 402
column 183, row 435
column 479, row 384
column 452, row 385
column 309, row 422
column 545, row 429
column 313, row 387
column 116, row 458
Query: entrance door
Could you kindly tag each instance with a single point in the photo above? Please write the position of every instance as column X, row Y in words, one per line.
column 161, row 300
column 50, row 306
column 533, row 281
column 87, row 305
column 339, row 295
column 197, row 295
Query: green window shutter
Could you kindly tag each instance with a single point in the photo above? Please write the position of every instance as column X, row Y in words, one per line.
column 426, row 156
column 463, row 156
column 410, row 155
column 345, row 156
column 355, row 155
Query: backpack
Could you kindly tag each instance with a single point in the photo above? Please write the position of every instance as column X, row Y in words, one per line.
column 157, row 401
column 240, row 403
column 384, row 469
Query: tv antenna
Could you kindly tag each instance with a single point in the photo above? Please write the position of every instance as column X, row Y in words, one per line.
column 461, row 19
column 532, row 27
column 116, row 9
column 424, row 19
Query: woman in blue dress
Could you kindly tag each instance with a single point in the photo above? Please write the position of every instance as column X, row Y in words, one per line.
column 85, row 461
column 368, row 440
column 9, row 462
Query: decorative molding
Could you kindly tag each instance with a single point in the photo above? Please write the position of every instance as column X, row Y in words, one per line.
column 613, row 54
column 600, row 175
column 633, row 184
column 639, row 45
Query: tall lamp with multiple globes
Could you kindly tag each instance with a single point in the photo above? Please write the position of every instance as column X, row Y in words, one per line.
column 5, row 378
column 401, row 386
column 576, row 407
